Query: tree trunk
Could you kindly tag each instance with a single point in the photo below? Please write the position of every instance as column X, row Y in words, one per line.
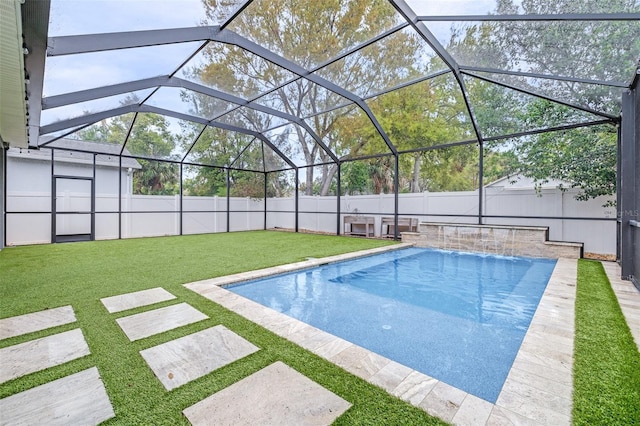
column 415, row 179
column 326, row 184
column 308, row 190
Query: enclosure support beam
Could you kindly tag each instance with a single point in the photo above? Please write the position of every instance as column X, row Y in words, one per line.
column 120, row 197
column 53, row 198
column 543, row 76
column 3, row 198
column 236, row 13
column 181, row 207
column 432, row 40
column 93, row 199
column 297, row 192
column 544, row 17
column 172, row 81
column 480, row 183
column 228, row 199
column 87, row 43
column 538, row 95
column 629, row 184
column 227, row 36
column 339, row 194
column 66, row 45
column 265, row 175
column 618, row 193
column 396, row 198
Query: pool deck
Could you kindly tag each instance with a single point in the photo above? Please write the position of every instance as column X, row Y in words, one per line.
column 537, row 390
column 628, row 298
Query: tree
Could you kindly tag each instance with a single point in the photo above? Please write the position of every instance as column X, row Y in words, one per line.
column 309, row 33
column 150, row 137
column 355, row 178
column 217, row 148
column 585, row 158
column 422, row 115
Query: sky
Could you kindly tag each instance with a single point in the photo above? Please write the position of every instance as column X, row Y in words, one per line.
column 78, row 72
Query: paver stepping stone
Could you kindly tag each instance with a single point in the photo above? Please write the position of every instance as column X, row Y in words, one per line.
column 78, row 399
column 159, row 320
column 36, row 321
column 38, row 354
column 136, row 299
column 185, row 359
column 275, row 395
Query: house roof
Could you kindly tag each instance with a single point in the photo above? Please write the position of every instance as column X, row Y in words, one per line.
column 77, row 151
column 519, row 181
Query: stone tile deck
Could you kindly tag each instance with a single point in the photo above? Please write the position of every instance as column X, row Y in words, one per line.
column 160, row 320
column 538, row 388
column 628, row 298
column 136, row 299
column 78, row 399
column 36, row 321
column 185, row 359
column 35, row 355
column 540, row 382
column 275, row 395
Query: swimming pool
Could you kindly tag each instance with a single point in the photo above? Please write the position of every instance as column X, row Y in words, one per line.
column 457, row 317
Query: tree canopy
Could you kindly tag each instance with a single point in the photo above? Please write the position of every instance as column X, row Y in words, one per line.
column 584, row 158
column 395, row 91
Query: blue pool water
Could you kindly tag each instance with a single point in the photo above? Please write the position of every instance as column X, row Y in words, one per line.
column 457, row 317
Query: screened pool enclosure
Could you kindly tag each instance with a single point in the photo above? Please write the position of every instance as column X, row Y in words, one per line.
column 215, row 116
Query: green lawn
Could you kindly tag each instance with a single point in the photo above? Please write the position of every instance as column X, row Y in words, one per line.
column 79, row 274
column 606, row 359
column 607, row 363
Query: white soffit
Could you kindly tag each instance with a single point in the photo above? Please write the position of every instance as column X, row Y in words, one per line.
column 13, row 118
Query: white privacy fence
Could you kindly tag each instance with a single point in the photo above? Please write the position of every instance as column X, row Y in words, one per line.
column 29, row 218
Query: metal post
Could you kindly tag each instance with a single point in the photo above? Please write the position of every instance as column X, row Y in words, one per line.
column 265, row 175
column 53, row 198
column 5, row 154
column 180, row 198
column 119, row 197
column 396, row 200
column 93, row 200
column 297, row 179
column 228, row 198
column 618, row 194
column 480, row 182
column 339, row 193
column 628, row 179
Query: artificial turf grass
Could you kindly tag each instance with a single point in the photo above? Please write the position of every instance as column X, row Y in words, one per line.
column 117, row 266
column 41, row 277
column 606, row 359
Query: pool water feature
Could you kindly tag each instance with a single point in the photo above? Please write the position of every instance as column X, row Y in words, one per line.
column 457, row 317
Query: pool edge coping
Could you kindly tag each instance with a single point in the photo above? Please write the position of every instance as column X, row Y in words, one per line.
column 546, row 350
column 228, row 280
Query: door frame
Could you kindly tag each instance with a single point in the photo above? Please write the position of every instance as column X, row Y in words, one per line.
column 55, row 237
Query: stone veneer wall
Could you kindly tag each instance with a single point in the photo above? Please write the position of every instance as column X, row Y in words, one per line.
column 492, row 239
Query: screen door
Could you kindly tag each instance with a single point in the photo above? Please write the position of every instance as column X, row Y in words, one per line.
column 73, row 218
